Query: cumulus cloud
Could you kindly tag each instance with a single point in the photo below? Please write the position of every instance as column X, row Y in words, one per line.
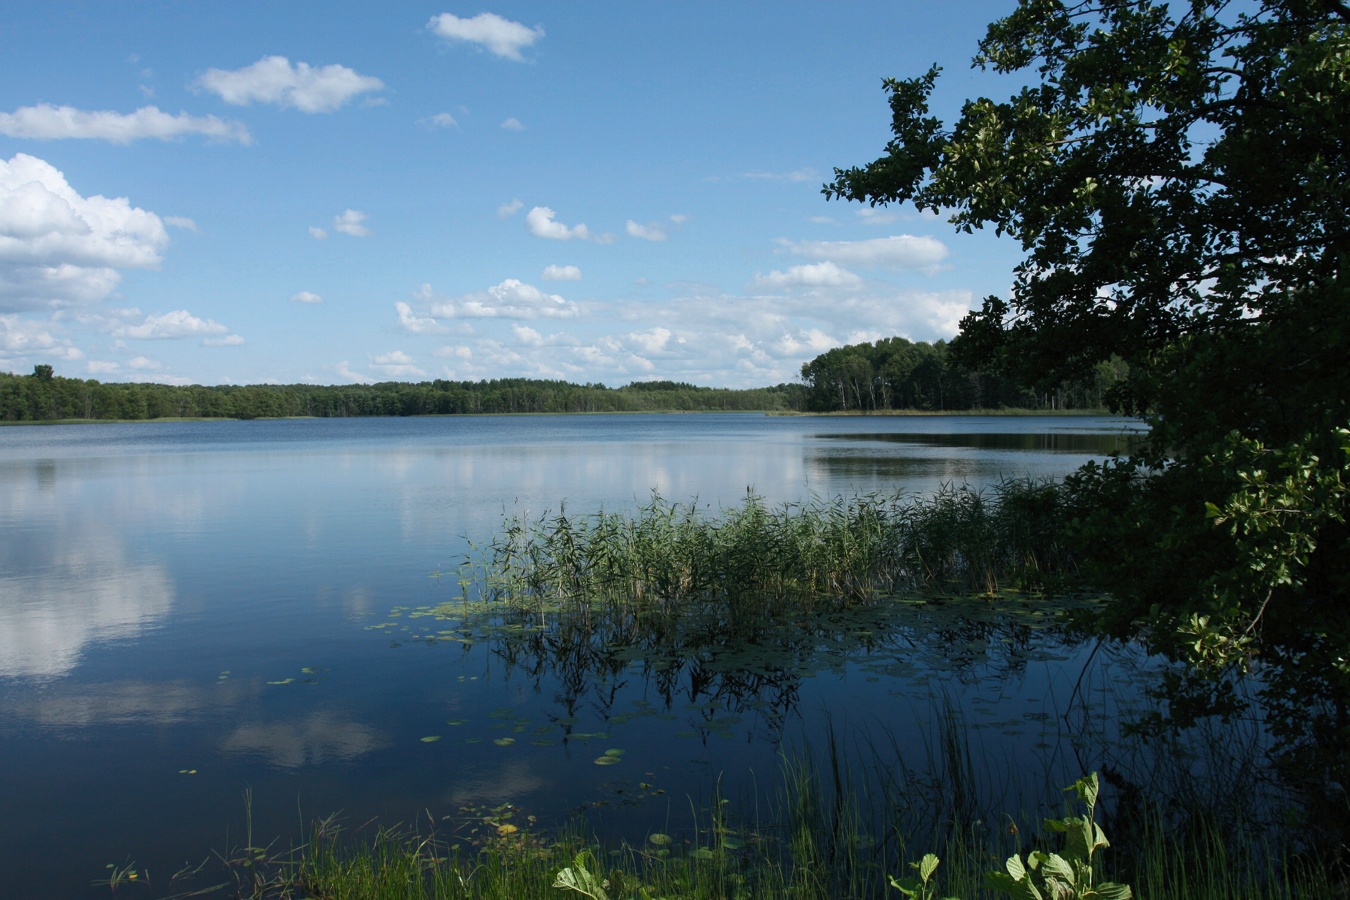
column 171, row 325
column 513, row 124
column 501, row 37
column 414, row 324
column 561, row 273
column 229, row 340
column 318, row 233
column 306, row 297
column 541, row 223
column 180, row 222
column 507, row 210
column 345, row 369
column 274, row 79
column 512, row 299
column 349, row 222
column 902, row 251
column 825, row 274
column 395, row 365
column 22, row 340
column 650, row 232
column 48, row 122
column 58, row 248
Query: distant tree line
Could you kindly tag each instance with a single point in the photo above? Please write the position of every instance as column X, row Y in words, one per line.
column 43, row 396
column 895, row 373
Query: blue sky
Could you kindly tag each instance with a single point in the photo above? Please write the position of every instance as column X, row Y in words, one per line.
column 243, row 192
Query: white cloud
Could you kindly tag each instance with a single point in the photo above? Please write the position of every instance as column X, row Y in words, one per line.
column 540, row 222
column 527, row 335
column 414, row 324
column 650, row 232
column 318, row 233
column 440, row 120
column 306, row 297
column 796, row 175
column 513, row 124
column 273, row 79
column 346, row 371
column 171, row 325
column 395, row 365
column 145, row 364
column 47, row 122
column 825, row 274
column 349, row 222
column 872, row 215
column 507, row 210
column 512, row 299
column 561, row 273
column 501, row 37
column 181, row 222
column 229, row 340
column 902, row 251
column 58, row 248
column 102, row 367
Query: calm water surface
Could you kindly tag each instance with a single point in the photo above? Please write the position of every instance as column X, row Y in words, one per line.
column 192, row 610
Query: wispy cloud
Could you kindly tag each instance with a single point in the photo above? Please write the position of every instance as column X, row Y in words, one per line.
column 901, row 251
column 48, row 122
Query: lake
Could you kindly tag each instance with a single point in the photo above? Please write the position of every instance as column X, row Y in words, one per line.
column 193, row 611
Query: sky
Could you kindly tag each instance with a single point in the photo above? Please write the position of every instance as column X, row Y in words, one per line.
column 249, row 192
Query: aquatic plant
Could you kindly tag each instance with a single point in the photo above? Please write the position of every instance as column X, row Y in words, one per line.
column 746, row 562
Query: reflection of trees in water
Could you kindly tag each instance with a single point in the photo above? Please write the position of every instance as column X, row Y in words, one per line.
column 717, row 665
column 713, row 669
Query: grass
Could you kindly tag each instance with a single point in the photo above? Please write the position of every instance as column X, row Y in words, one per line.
column 825, row 835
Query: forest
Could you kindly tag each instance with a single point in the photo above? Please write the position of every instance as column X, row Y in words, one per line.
column 892, row 374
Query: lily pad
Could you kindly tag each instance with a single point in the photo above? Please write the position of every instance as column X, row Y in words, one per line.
column 504, row 742
column 431, row 739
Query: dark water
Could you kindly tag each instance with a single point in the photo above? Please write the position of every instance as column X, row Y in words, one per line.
column 192, row 611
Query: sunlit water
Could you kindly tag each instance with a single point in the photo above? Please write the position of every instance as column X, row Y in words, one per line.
column 192, row 611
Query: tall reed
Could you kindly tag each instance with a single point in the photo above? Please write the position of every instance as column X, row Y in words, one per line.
column 740, row 564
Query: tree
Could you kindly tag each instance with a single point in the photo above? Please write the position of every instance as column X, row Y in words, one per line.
column 1178, row 177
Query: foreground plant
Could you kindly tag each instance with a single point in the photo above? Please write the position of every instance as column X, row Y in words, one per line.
column 1068, row 875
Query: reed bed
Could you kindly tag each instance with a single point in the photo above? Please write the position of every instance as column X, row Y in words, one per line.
column 750, row 561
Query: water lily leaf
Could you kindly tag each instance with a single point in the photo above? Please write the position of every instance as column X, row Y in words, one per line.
column 504, row 742
column 659, row 839
column 456, row 721
column 614, row 751
column 702, row 853
column 431, row 739
column 606, row 760
column 506, row 829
